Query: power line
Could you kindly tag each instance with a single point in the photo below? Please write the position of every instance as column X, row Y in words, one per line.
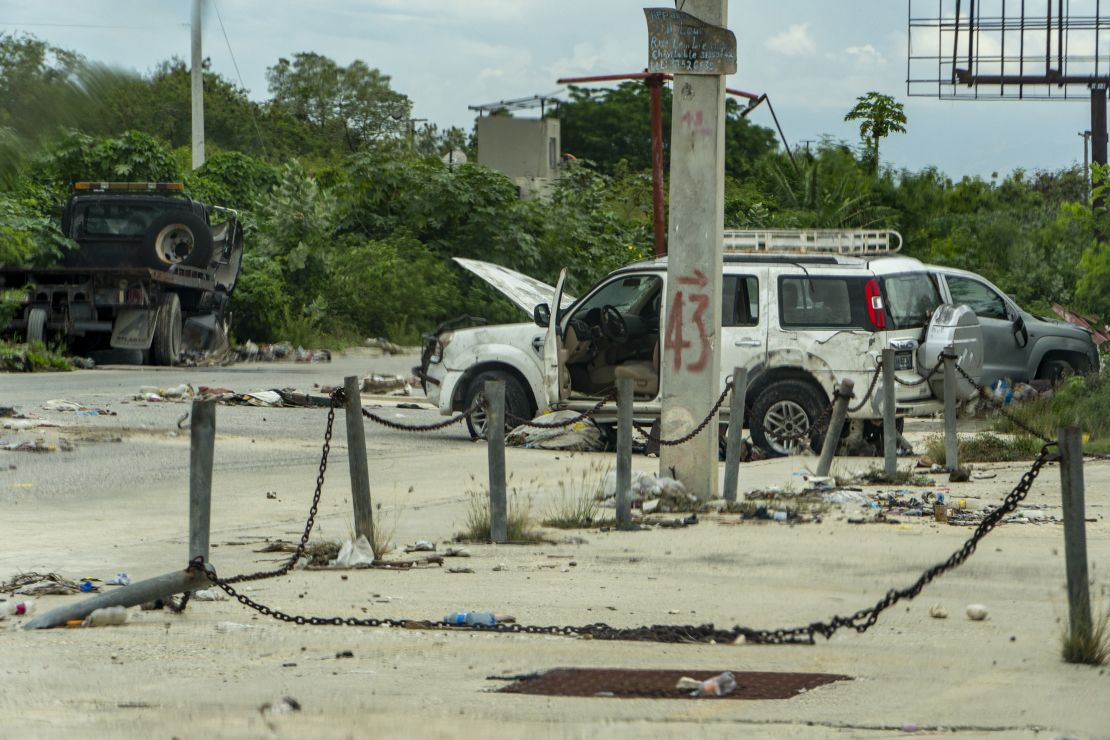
column 254, row 118
column 90, row 25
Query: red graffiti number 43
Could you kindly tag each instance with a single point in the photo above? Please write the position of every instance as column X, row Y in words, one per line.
column 677, row 343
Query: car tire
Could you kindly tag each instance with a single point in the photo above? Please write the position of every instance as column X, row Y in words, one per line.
column 517, row 405
column 178, row 238
column 166, row 347
column 1055, row 371
column 36, row 325
column 787, row 407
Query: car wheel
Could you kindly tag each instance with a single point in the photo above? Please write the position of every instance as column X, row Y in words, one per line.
column 1055, row 371
column 517, row 406
column 784, row 416
column 36, row 325
column 166, row 346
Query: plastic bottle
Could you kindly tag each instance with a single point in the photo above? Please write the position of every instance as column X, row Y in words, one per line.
column 484, row 618
column 16, row 608
column 719, row 685
column 106, row 617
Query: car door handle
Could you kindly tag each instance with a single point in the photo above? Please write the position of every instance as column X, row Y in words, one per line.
column 748, row 343
column 537, row 343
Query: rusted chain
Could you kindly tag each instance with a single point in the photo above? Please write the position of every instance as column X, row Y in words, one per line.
column 420, row 427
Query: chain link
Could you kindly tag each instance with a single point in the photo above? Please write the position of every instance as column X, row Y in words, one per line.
column 420, row 427
column 585, row 415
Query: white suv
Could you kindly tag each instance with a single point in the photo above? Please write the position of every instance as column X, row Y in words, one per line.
column 801, row 311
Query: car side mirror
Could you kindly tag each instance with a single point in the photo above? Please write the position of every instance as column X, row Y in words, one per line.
column 1021, row 334
column 541, row 314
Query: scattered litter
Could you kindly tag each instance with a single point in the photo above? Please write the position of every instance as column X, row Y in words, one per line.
column 420, row 546
column 984, row 475
column 40, row 584
column 284, row 705
column 16, row 608
column 120, row 579
column 20, row 425
column 678, row 523
column 73, row 407
column 176, row 394
column 385, row 345
column 83, row 363
column 582, row 436
column 846, row 496
column 37, row 445
column 345, row 654
column 460, row 570
column 379, row 384
column 688, row 684
column 720, row 685
column 355, row 553
column 456, row 552
column 820, row 482
column 936, row 611
column 87, row 587
column 209, row 594
column 109, row 616
column 235, row 626
column 976, row 612
column 487, row 619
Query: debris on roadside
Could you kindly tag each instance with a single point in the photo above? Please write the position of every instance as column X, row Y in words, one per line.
column 154, row 394
column 109, row 616
column 976, row 612
column 396, row 385
column 937, row 611
column 385, row 345
column 251, row 352
column 35, row 445
column 583, row 436
column 40, row 584
column 60, row 404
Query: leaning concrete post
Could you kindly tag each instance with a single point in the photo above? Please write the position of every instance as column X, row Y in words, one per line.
column 624, row 453
column 495, row 442
column 1075, row 531
column 202, row 441
column 832, row 435
column 951, row 449
column 735, row 431
column 356, row 457
column 890, row 422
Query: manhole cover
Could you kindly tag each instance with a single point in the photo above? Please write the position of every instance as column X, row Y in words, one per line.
column 623, row 683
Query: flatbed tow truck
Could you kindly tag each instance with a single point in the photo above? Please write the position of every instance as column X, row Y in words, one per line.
column 152, row 271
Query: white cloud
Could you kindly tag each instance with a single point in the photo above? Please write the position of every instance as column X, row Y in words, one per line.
column 795, row 41
column 866, row 56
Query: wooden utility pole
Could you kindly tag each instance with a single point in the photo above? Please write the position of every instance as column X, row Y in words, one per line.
column 198, row 90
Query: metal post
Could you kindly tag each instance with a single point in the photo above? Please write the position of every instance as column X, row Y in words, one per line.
column 1075, row 532
column 690, row 366
column 836, row 423
column 495, row 444
column 735, row 431
column 356, row 457
column 197, row 61
column 159, row 587
column 624, row 453
column 659, row 216
column 202, row 441
column 1098, row 128
column 951, row 456
column 890, row 421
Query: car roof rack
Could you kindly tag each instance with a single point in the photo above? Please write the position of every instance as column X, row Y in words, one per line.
column 859, row 242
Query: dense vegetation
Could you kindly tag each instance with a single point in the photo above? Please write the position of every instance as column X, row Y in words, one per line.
column 352, row 217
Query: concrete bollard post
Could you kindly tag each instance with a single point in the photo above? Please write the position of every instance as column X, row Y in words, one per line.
column 1075, row 530
column 735, row 431
column 624, row 453
column 202, row 442
column 890, row 419
column 356, row 457
column 951, row 441
column 495, row 442
column 836, row 424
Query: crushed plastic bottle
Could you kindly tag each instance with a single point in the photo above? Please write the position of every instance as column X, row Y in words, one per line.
column 16, row 608
column 106, row 617
column 719, row 685
column 470, row 618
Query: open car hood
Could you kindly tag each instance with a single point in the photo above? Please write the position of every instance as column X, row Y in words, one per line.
column 524, row 291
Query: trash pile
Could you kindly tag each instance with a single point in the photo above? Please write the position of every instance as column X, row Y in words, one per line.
column 583, row 436
column 251, row 352
column 176, row 394
column 72, row 407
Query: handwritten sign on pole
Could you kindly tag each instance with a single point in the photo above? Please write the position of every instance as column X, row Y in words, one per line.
column 679, row 43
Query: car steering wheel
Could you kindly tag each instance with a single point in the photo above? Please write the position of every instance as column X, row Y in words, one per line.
column 613, row 324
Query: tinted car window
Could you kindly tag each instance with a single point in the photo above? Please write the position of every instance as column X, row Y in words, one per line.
column 822, row 302
column 910, row 299
column 982, row 300
column 740, row 300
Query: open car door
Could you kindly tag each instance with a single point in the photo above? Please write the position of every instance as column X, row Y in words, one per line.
column 552, row 347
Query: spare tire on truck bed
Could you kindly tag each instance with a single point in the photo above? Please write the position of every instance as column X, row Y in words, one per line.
column 177, row 237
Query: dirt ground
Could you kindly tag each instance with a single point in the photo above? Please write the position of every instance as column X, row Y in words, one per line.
column 209, row 671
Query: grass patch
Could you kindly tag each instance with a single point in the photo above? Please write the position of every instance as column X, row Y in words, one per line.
column 1082, row 401
column 579, row 501
column 985, row 447
column 476, row 525
column 35, row 357
column 321, row 552
column 383, row 531
column 1088, row 647
column 877, row 475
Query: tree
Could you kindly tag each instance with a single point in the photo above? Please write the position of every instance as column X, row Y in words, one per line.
column 347, row 108
column 879, row 115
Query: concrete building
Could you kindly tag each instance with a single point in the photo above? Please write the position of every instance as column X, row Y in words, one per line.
column 526, row 150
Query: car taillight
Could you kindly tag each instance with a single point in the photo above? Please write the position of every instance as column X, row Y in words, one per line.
column 875, row 304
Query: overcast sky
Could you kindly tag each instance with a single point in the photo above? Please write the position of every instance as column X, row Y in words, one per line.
column 813, row 57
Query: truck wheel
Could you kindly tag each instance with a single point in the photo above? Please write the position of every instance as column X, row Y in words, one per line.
column 1055, row 371
column 178, row 238
column 166, row 346
column 517, row 406
column 784, row 416
column 36, row 325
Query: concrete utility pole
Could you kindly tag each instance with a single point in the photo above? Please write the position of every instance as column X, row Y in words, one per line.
column 690, row 364
column 198, row 90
